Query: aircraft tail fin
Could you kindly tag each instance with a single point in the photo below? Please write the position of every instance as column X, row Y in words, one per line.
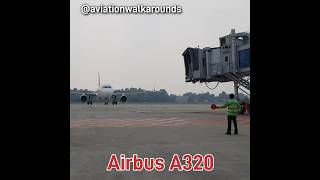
column 99, row 79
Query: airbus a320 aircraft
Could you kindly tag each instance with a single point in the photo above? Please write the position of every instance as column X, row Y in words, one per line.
column 105, row 92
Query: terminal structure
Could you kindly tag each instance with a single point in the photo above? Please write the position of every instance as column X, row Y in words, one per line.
column 229, row 62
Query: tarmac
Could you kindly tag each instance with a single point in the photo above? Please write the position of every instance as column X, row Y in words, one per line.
column 156, row 130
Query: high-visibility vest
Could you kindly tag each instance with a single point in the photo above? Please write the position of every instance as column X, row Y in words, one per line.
column 233, row 107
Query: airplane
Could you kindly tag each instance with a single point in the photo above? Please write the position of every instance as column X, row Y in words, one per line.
column 105, row 92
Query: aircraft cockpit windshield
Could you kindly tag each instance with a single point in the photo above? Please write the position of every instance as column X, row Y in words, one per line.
column 106, row 86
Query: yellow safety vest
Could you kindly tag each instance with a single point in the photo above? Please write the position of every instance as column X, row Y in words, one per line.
column 233, row 107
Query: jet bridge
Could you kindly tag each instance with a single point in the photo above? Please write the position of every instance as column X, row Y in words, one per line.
column 228, row 62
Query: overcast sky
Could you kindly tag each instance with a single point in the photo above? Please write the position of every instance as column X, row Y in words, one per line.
column 144, row 51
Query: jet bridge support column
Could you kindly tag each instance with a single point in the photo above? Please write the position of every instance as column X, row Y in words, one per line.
column 234, row 51
column 236, row 90
column 234, row 61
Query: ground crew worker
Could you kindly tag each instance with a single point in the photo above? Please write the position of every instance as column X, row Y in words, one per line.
column 233, row 110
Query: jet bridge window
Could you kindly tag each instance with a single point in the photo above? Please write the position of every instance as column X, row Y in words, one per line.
column 244, row 58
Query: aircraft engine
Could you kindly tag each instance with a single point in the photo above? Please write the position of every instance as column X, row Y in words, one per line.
column 83, row 98
column 123, row 98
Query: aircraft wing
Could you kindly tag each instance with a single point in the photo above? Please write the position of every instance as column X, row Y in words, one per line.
column 117, row 94
column 87, row 94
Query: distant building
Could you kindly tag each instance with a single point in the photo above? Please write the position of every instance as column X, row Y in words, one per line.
column 182, row 99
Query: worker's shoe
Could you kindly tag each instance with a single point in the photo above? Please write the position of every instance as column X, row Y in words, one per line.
column 229, row 133
column 235, row 132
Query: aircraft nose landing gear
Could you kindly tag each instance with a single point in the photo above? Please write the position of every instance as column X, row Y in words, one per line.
column 114, row 100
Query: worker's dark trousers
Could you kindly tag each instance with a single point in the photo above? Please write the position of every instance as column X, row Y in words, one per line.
column 234, row 119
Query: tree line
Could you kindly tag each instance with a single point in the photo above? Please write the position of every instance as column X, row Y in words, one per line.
column 162, row 95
